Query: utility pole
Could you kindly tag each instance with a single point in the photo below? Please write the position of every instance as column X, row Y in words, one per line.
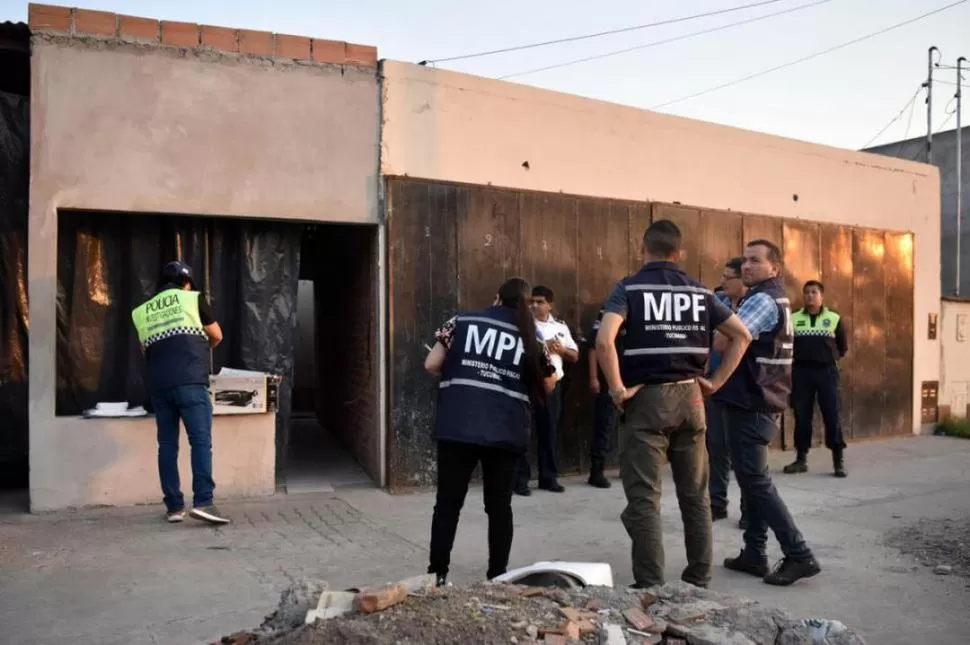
column 929, row 104
column 959, row 98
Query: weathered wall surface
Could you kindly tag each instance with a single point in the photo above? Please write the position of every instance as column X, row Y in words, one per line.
column 450, row 129
column 944, row 158
column 452, row 245
column 113, row 461
column 129, row 114
column 954, row 392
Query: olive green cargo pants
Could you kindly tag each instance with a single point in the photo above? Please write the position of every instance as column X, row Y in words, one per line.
column 666, row 423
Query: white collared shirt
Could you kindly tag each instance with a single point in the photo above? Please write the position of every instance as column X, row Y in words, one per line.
column 555, row 328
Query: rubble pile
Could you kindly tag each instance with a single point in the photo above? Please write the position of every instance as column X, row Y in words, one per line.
column 414, row 612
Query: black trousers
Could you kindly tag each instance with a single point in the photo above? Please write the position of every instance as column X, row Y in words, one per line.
column 719, row 457
column 749, row 434
column 808, row 383
column 604, row 418
column 456, row 463
column 545, row 424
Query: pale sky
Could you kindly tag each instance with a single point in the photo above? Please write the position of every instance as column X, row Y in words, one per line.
column 842, row 98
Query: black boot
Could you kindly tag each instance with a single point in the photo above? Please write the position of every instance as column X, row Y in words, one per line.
column 800, row 465
column 597, row 478
column 838, row 464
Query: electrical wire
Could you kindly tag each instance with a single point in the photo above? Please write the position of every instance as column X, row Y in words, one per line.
column 909, row 124
column 664, row 41
column 810, row 56
column 910, row 105
column 945, row 121
column 598, row 34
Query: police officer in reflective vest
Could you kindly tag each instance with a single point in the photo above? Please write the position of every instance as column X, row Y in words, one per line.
column 176, row 330
column 819, row 344
column 659, row 383
column 493, row 370
column 751, row 403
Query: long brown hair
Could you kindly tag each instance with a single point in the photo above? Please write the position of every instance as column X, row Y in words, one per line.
column 515, row 294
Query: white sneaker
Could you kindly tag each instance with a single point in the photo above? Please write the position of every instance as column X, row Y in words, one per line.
column 209, row 514
column 175, row 516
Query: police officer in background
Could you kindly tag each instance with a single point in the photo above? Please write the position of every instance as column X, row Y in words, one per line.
column 604, row 411
column 176, row 330
column 659, row 385
column 493, row 370
column 751, row 405
column 819, row 344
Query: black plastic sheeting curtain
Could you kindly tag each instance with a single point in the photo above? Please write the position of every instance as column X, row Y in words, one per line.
column 109, row 263
column 14, row 183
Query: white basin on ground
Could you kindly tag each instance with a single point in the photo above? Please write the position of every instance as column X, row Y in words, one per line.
column 561, row 574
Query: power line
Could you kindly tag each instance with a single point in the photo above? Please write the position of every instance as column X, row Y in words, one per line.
column 610, row 32
column 810, row 56
column 664, row 41
column 910, row 104
column 945, row 121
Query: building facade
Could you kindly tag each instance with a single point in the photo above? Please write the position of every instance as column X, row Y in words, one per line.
column 404, row 194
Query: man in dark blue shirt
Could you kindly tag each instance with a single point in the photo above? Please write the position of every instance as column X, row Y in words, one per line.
column 730, row 292
column 659, row 383
column 752, row 402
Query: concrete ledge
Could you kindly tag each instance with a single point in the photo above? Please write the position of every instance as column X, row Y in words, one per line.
column 113, row 462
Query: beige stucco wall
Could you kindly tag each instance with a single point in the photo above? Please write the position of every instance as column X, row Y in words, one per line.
column 129, row 128
column 113, row 461
column 447, row 126
column 955, row 356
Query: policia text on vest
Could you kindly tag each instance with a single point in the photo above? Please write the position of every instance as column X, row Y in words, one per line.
column 658, row 383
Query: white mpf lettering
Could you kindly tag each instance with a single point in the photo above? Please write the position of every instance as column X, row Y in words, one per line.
column 478, row 343
column 483, row 344
column 671, row 307
column 506, row 341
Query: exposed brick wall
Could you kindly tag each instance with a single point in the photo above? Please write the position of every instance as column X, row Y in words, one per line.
column 345, row 297
column 103, row 24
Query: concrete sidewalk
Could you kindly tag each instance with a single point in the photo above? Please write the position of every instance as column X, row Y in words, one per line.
column 123, row 576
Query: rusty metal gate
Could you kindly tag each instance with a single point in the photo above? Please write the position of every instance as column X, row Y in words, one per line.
column 451, row 245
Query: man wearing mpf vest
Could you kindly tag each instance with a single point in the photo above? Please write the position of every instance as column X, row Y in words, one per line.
column 176, row 330
column 658, row 384
column 752, row 402
column 819, row 344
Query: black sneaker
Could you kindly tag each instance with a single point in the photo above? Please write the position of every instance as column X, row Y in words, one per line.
column 800, row 465
column 744, row 564
column 441, row 581
column 209, row 514
column 598, row 480
column 719, row 514
column 524, row 491
column 553, row 487
column 790, row 571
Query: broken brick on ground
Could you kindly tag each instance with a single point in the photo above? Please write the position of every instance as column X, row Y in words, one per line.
column 504, row 613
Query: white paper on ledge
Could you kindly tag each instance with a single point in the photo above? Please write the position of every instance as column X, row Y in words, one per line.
column 231, row 371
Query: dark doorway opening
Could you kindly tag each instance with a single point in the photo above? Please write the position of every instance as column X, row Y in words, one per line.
column 14, row 183
column 335, row 431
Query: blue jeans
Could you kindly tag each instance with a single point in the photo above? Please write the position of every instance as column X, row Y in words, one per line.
column 749, row 434
column 191, row 404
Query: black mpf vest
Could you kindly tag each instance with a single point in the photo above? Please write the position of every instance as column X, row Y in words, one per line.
column 668, row 326
column 762, row 381
column 483, row 398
